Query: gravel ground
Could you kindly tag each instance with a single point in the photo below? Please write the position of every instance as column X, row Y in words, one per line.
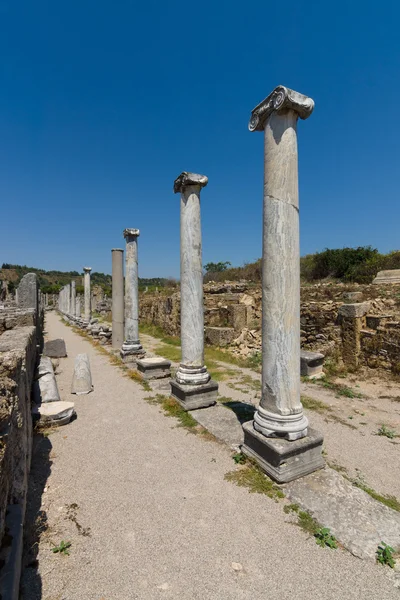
column 149, row 514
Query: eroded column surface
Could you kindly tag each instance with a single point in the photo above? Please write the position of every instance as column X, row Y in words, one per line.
column 191, row 369
column 86, row 285
column 131, row 343
column 117, row 255
column 68, row 297
column 73, row 299
column 280, row 412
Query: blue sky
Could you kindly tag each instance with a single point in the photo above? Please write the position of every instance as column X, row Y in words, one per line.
column 103, row 104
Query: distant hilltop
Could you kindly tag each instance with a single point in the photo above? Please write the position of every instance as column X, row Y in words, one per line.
column 52, row 281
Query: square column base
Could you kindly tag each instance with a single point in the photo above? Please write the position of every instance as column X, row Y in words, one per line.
column 191, row 397
column 130, row 357
column 281, row 459
column 154, row 368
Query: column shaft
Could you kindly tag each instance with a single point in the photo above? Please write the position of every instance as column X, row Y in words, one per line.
column 117, row 297
column 73, row 298
column 87, row 293
column 131, row 344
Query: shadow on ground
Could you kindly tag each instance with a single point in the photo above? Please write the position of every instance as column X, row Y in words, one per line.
column 35, row 518
column 244, row 412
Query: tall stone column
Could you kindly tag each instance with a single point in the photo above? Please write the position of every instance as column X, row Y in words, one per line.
column 73, row 299
column 78, row 306
column 117, row 255
column 131, row 346
column 192, row 386
column 280, row 413
column 68, row 294
column 86, row 284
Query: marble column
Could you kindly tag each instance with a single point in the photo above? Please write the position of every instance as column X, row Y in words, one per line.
column 131, row 346
column 68, row 298
column 73, row 299
column 192, row 386
column 87, row 315
column 78, row 306
column 280, row 413
column 117, row 255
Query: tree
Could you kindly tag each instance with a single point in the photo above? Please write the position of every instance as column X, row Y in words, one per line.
column 216, row 267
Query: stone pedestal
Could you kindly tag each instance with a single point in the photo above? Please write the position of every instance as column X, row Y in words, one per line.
column 311, row 364
column 87, row 314
column 192, row 387
column 117, row 255
column 131, row 348
column 281, row 459
column 154, row 367
column 280, row 413
column 352, row 319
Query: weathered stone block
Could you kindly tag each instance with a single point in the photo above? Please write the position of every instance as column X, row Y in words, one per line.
column 354, row 310
column 311, row 363
column 82, row 378
column 55, row 348
column 281, row 459
column 238, row 316
column 390, row 276
column 28, row 292
column 191, row 397
column 353, row 297
column 154, row 367
column 219, row 336
column 56, row 413
column 45, row 387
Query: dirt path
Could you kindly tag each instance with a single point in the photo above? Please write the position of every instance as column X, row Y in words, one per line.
column 149, row 514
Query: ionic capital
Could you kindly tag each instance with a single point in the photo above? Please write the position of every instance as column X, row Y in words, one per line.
column 186, row 179
column 131, row 233
column 280, row 100
column 87, row 269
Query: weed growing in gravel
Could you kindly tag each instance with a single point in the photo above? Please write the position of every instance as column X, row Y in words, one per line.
column 324, row 537
column 385, row 431
column 315, row 405
column 62, row 548
column 172, row 408
column 304, row 520
column 390, row 501
column 339, row 388
column 384, row 555
column 250, row 476
column 239, row 458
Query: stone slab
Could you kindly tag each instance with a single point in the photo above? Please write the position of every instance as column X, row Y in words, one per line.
column 390, row 276
column 191, row 397
column 57, row 413
column 358, row 521
column 219, row 336
column 154, row 367
column 281, row 459
column 222, row 422
column 55, row 348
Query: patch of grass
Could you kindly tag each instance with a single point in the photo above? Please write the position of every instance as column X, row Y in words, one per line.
column 158, row 332
column 384, row 555
column 62, row 548
column 304, row 520
column 255, row 480
column 390, row 501
column 316, row 405
column 386, row 432
column 167, row 351
column 239, row 458
column 135, row 376
column 339, row 388
column 172, row 408
column 338, row 468
column 254, row 361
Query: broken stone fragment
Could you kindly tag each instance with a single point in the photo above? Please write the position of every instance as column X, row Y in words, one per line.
column 82, row 378
column 56, row 413
column 55, row 348
column 45, row 386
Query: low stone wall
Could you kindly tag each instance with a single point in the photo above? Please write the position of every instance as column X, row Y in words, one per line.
column 232, row 317
column 21, row 340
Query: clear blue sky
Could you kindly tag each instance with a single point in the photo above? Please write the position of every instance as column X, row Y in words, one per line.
column 103, row 104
